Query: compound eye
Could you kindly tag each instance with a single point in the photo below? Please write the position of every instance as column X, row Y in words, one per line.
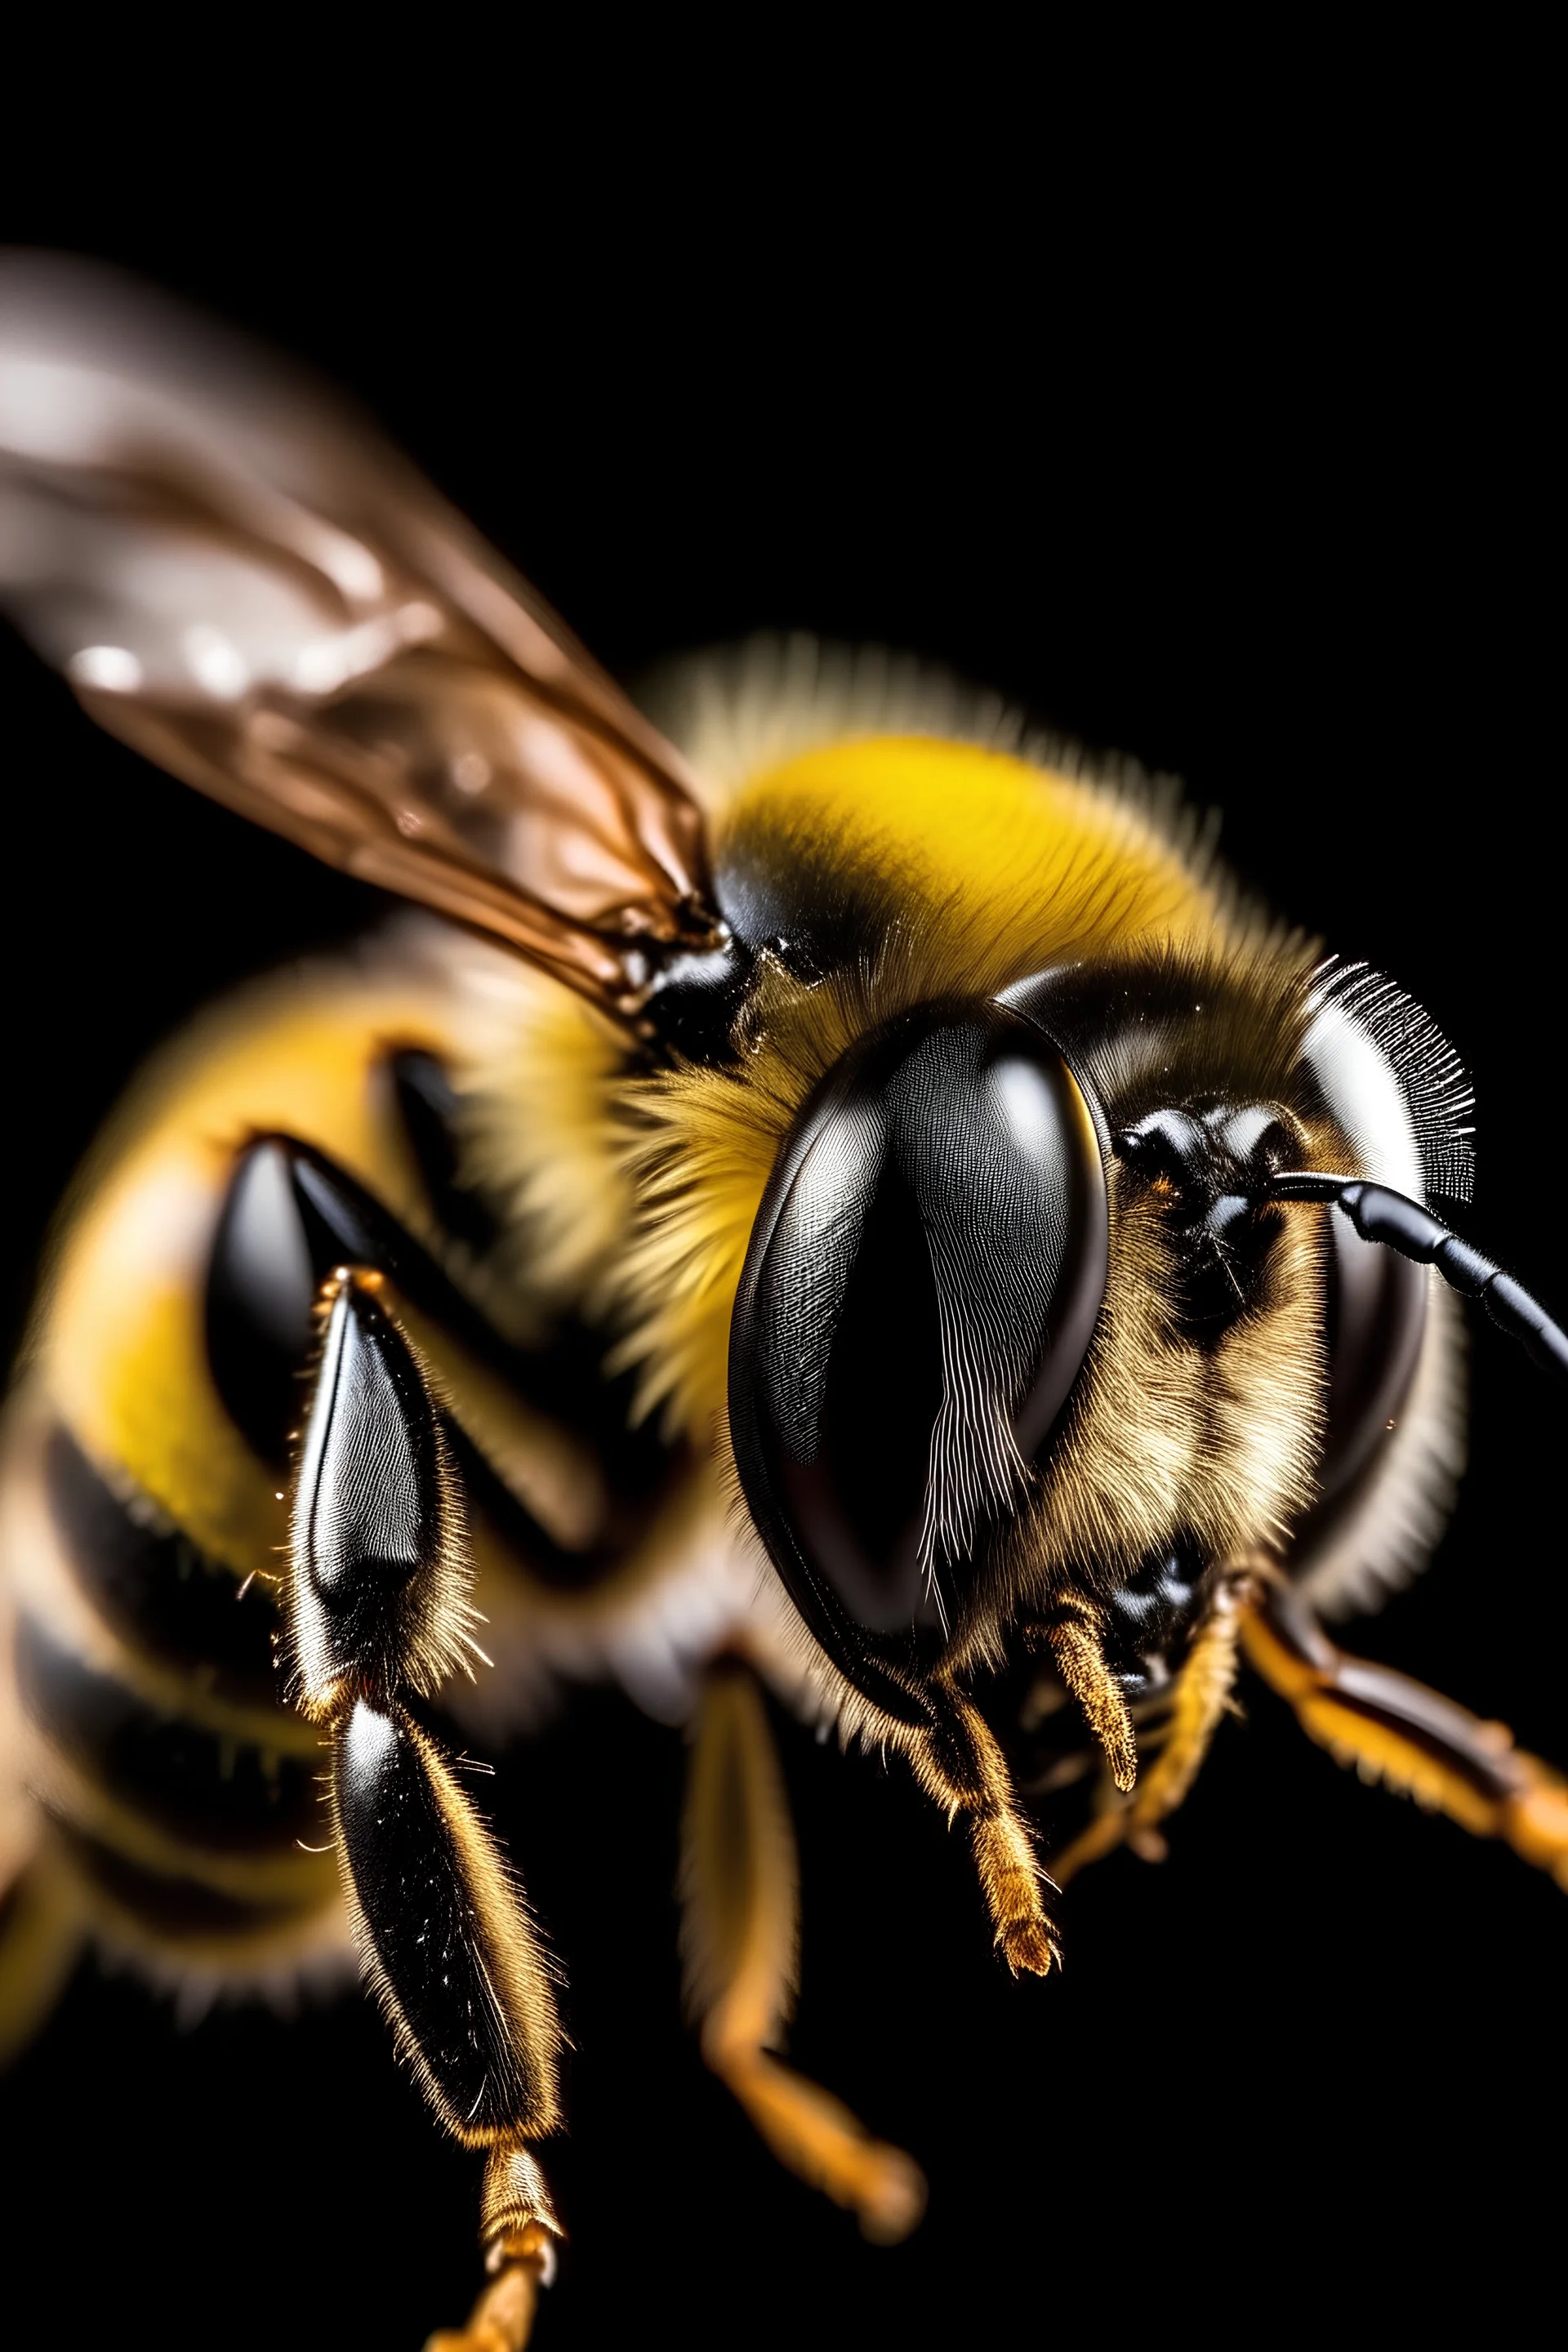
column 922, row 1281
column 1378, row 1321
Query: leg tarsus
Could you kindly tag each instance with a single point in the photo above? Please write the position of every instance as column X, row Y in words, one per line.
column 502, row 2317
column 959, row 1764
column 1075, row 1631
column 1010, row 1877
column 826, row 2147
column 515, row 2200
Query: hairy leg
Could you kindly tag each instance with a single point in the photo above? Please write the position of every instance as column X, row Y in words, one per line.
column 1395, row 1730
column 959, row 1764
column 1074, row 1631
column 1202, row 1696
column 740, row 1941
column 378, row 1611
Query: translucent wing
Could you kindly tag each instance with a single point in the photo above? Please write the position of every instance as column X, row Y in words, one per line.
column 239, row 577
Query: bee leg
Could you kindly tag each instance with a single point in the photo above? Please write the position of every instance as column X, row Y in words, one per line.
column 40, row 1937
column 1201, row 1698
column 1074, row 1630
column 519, row 2233
column 377, row 1611
column 959, row 1764
column 739, row 1937
column 1396, row 1730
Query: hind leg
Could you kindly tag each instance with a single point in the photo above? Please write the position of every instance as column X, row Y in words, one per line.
column 378, row 1614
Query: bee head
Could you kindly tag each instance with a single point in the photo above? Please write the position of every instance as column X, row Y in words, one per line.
column 922, row 1283
column 1210, row 1167
column 1032, row 1308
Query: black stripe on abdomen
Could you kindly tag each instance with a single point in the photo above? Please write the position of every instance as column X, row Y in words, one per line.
column 213, row 1790
column 428, row 1109
column 157, row 1590
column 176, row 1908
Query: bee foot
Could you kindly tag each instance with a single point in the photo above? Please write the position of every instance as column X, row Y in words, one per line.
column 1029, row 1945
column 502, row 2319
column 893, row 2198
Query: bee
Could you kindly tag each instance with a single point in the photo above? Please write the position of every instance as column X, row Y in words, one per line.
column 830, row 1198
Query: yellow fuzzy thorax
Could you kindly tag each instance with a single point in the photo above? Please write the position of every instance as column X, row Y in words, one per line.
column 993, row 859
column 997, row 869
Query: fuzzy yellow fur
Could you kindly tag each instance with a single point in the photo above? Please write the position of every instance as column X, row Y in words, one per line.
column 998, row 869
column 632, row 1195
column 541, row 1137
column 1164, row 1435
column 643, row 1188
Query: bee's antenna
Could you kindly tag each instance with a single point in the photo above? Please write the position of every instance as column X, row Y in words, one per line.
column 1381, row 1215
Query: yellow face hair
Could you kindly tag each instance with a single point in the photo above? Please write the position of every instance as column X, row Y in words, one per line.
column 992, row 869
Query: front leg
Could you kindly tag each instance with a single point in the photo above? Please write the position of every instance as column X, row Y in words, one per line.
column 378, row 1611
column 1396, row 1730
column 1198, row 1705
column 959, row 1764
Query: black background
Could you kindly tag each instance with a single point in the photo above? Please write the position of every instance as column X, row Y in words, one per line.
column 1224, row 446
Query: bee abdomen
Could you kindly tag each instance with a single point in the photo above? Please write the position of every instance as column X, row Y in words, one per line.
column 182, row 1795
column 427, row 1107
column 215, row 1789
column 259, row 1300
column 290, row 1216
column 153, row 1587
column 176, row 1909
column 142, row 1494
column 140, row 1503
